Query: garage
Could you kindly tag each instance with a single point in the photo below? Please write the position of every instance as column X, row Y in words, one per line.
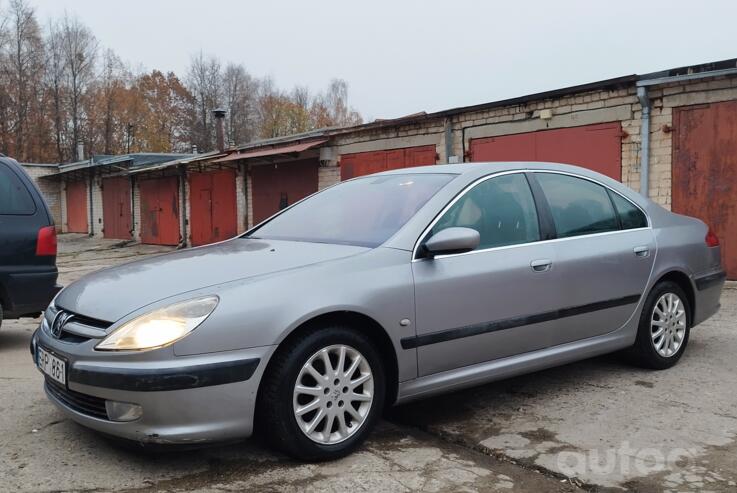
column 365, row 163
column 76, row 197
column 596, row 147
column 275, row 186
column 160, row 211
column 116, row 208
column 212, row 197
column 705, row 171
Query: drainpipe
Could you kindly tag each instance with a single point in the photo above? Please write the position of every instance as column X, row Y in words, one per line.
column 644, row 141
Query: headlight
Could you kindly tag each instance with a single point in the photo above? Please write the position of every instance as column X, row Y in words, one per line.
column 160, row 327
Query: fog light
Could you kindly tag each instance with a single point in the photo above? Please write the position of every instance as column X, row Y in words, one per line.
column 123, row 411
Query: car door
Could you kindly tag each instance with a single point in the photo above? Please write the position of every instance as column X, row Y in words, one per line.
column 481, row 305
column 604, row 254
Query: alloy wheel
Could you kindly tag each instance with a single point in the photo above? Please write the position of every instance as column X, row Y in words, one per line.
column 668, row 325
column 333, row 394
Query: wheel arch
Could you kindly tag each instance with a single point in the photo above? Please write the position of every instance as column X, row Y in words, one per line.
column 682, row 280
column 366, row 325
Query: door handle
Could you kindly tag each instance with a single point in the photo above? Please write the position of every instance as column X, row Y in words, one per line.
column 641, row 251
column 541, row 265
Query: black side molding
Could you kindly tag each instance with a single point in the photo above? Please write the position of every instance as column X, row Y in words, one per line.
column 511, row 323
column 705, row 282
column 156, row 380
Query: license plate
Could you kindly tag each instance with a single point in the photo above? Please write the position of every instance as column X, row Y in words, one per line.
column 52, row 366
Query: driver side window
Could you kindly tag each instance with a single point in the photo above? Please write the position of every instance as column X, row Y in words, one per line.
column 501, row 209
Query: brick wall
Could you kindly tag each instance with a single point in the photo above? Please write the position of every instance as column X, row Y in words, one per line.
column 327, row 176
column 136, row 191
column 97, row 224
column 590, row 107
column 241, row 200
column 249, row 199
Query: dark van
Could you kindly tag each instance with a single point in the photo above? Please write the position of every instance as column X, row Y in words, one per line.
column 27, row 245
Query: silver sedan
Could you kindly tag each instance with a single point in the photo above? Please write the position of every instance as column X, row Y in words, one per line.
column 374, row 292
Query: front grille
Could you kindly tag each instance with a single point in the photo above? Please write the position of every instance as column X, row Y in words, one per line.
column 82, row 403
column 78, row 329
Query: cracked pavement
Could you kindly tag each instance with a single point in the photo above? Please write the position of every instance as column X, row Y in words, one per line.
column 596, row 425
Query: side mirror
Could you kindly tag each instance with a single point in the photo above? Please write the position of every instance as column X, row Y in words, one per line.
column 452, row 240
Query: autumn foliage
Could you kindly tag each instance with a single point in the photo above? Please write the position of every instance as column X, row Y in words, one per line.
column 58, row 87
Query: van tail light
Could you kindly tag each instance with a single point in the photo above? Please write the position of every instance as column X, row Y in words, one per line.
column 712, row 240
column 46, row 242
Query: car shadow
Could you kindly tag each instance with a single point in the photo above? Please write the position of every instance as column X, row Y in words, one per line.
column 460, row 406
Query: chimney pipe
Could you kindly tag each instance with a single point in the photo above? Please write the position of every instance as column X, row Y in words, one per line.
column 80, row 151
column 219, row 115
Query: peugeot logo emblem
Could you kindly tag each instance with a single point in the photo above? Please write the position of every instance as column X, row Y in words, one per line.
column 59, row 321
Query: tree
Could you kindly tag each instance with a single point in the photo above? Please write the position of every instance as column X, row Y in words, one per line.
column 204, row 81
column 166, row 109
column 240, row 94
column 21, row 60
column 79, row 50
column 53, row 95
column 331, row 109
column 54, row 82
column 111, row 89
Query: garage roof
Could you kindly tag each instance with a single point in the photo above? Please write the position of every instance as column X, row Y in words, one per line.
column 141, row 160
column 272, row 151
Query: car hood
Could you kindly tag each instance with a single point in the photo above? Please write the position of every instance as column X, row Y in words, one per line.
column 112, row 293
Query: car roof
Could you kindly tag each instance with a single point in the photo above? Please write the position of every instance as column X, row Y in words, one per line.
column 487, row 167
column 472, row 171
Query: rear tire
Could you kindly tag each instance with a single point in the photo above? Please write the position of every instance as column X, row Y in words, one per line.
column 333, row 409
column 665, row 326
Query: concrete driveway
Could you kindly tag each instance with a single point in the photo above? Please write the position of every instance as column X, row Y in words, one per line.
column 597, row 425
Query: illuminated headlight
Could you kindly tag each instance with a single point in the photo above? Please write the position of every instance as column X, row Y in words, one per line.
column 160, row 327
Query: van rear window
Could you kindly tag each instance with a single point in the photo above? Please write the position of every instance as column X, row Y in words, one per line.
column 15, row 199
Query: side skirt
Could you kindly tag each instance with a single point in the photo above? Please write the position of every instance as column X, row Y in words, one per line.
column 469, row 376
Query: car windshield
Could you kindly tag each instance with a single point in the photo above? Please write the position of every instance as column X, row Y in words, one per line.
column 364, row 212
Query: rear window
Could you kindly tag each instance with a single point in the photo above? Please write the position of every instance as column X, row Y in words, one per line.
column 579, row 207
column 629, row 214
column 363, row 212
column 15, row 199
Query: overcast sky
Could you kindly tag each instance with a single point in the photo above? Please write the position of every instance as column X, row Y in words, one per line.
column 400, row 57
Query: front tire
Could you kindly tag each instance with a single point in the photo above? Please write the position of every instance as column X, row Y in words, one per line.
column 664, row 328
column 322, row 394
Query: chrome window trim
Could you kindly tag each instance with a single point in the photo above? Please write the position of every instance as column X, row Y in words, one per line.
column 517, row 245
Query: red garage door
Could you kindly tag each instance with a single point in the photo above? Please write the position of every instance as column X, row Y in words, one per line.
column 160, row 211
column 275, row 186
column 116, row 208
column 705, row 171
column 365, row 163
column 596, row 147
column 77, row 207
column 212, row 203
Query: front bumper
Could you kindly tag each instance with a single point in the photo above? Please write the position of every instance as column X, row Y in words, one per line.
column 193, row 399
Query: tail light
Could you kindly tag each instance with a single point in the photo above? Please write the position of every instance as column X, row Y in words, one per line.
column 712, row 240
column 46, row 242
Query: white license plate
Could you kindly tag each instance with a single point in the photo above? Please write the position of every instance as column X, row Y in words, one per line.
column 52, row 366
